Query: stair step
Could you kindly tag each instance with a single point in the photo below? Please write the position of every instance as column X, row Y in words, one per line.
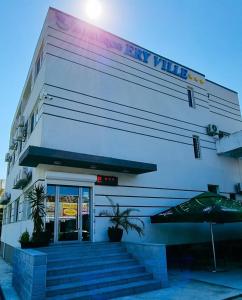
column 79, row 254
column 86, row 259
column 93, row 284
column 112, row 291
column 90, row 266
column 113, row 271
column 81, row 247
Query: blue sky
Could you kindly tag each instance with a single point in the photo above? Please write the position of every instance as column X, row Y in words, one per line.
column 204, row 35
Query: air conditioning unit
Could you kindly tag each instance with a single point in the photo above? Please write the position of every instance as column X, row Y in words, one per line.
column 5, row 198
column 238, row 188
column 20, row 134
column 23, row 178
column 8, row 157
column 20, row 121
column 13, row 145
column 212, row 130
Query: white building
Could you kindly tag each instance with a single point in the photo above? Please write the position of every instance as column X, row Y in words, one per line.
column 96, row 104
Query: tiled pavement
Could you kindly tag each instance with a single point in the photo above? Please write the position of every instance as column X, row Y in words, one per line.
column 187, row 285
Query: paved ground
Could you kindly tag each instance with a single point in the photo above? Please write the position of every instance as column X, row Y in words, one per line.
column 184, row 285
column 198, row 285
column 6, row 281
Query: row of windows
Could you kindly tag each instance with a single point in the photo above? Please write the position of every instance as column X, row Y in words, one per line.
column 17, row 211
column 28, row 128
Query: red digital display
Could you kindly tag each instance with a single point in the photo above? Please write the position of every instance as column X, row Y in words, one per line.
column 106, row 180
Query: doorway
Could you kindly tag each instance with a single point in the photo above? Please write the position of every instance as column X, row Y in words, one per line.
column 68, row 213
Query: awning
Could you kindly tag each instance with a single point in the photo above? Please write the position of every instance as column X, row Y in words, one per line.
column 231, row 145
column 34, row 156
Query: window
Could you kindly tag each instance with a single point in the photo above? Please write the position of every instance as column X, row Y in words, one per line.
column 196, row 146
column 39, row 61
column 31, row 123
column 27, row 90
column 5, row 215
column 26, row 209
column 16, row 210
column 190, row 95
column 10, row 213
column 213, row 188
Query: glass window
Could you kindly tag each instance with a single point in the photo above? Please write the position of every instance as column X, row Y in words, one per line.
column 10, row 213
column 4, row 215
column 32, row 123
column 39, row 60
column 50, row 211
column 196, row 146
column 16, row 210
column 190, row 95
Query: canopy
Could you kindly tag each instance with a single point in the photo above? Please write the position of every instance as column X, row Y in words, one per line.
column 206, row 207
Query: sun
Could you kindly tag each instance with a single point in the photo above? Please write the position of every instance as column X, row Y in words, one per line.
column 93, row 9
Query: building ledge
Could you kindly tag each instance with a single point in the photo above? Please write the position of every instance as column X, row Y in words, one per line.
column 231, row 145
column 33, row 156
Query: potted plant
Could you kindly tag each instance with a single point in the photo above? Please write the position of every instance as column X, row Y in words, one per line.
column 122, row 220
column 24, row 239
column 37, row 201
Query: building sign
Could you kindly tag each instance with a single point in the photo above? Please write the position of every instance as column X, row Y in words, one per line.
column 107, row 180
column 69, row 209
column 84, row 31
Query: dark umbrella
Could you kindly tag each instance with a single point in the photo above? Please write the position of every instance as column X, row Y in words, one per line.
column 206, row 207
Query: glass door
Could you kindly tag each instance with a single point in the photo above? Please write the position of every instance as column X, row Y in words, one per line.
column 68, row 217
column 68, row 213
column 85, row 213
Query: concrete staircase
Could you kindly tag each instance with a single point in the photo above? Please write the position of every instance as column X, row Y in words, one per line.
column 94, row 271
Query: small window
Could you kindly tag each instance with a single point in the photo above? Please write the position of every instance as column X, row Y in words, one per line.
column 4, row 215
column 16, row 210
column 27, row 90
column 232, row 196
column 196, row 146
column 213, row 188
column 39, row 61
column 10, row 213
column 31, row 123
column 190, row 95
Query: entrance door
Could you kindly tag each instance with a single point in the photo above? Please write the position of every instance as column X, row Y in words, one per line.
column 68, row 216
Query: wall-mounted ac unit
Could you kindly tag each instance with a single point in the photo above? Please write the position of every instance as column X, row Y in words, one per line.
column 212, row 130
column 20, row 121
column 8, row 157
column 23, row 178
column 13, row 144
column 20, row 134
column 238, row 188
column 5, row 198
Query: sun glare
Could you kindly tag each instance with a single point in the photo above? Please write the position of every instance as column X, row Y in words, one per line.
column 93, row 9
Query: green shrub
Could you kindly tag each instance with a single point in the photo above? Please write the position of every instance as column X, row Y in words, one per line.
column 24, row 237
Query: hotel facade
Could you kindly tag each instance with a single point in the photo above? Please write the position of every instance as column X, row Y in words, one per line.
column 101, row 118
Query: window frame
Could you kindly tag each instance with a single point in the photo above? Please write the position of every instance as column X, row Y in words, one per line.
column 196, row 147
column 190, row 96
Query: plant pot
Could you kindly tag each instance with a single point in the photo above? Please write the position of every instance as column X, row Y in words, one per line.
column 40, row 239
column 25, row 245
column 115, row 234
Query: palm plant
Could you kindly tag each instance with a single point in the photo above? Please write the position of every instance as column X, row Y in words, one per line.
column 122, row 219
column 37, row 201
